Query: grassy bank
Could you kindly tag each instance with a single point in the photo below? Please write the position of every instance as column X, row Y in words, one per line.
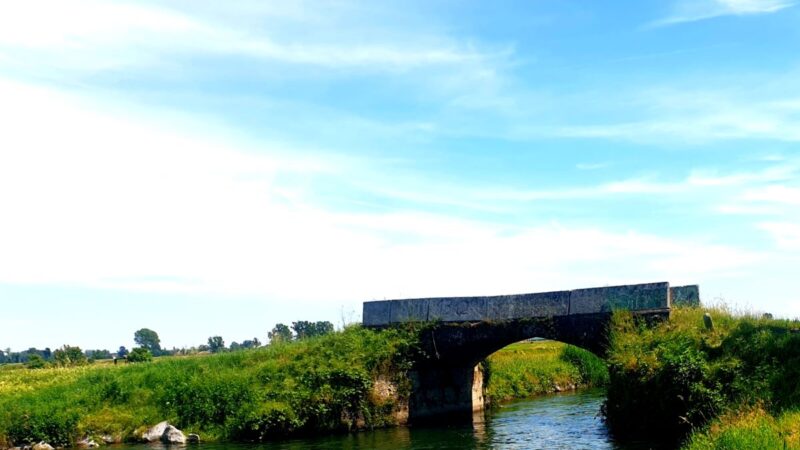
column 527, row 369
column 320, row 384
column 733, row 385
column 345, row 380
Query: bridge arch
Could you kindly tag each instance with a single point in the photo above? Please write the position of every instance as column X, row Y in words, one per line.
column 466, row 330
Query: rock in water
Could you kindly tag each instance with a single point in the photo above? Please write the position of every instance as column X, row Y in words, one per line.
column 154, row 434
column 193, row 438
column 42, row 446
column 87, row 443
column 173, row 435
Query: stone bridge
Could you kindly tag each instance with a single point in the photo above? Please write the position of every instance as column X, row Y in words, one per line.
column 467, row 330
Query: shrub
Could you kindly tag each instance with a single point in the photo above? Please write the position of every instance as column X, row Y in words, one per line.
column 593, row 370
column 36, row 362
column 679, row 375
column 140, row 354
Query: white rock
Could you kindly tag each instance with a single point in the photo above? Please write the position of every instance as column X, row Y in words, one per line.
column 173, row 435
column 154, row 434
column 42, row 446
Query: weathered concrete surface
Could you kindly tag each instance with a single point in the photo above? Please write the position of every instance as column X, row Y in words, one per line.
column 445, row 393
column 545, row 304
column 685, row 295
column 631, row 297
column 636, row 297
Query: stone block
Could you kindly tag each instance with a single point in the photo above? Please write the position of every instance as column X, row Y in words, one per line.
column 545, row 304
column 631, row 297
column 685, row 295
column 376, row 313
column 411, row 310
column 457, row 309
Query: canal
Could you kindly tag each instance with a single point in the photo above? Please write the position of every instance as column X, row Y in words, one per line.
column 563, row 421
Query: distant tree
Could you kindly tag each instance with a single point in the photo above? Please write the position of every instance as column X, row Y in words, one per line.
column 47, row 354
column 281, row 333
column 68, row 356
column 122, row 352
column 323, row 328
column 140, row 354
column 148, row 339
column 203, row 348
column 98, row 354
column 254, row 343
column 305, row 329
column 235, row 346
column 216, row 344
column 2, row 357
column 36, row 362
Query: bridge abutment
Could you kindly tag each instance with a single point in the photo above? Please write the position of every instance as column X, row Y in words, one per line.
column 445, row 393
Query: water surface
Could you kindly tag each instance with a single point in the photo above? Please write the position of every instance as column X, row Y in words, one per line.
column 564, row 421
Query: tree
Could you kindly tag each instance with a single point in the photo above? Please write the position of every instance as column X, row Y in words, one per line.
column 122, row 352
column 235, row 346
column 140, row 354
column 216, row 344
column 281, row 333
column 148, row 339
column 98, row 354
column 305, row 329
column 68, row 356
column 255, row 343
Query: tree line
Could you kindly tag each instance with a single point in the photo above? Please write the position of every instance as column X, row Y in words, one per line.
column 149, row 345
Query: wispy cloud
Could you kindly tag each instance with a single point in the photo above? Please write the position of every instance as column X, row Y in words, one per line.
column 683, row 11
column 786, row 234
column 86, row 33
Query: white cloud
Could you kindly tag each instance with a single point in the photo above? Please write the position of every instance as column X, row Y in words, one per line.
column 778, row 194
column 677, row 116
column 91, row 34
column 92, row 198
column 694, row 10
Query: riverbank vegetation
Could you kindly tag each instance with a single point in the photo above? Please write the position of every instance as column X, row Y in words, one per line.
column 527, row 369
column 732, row 380
column 335, row 381
column 325, row 383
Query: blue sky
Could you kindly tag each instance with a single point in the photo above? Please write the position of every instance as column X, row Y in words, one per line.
column 206, row 168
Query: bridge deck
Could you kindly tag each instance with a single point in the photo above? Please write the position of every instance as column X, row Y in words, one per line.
column 636, row 297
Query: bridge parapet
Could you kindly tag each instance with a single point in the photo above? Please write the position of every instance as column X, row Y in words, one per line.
column 636, row 297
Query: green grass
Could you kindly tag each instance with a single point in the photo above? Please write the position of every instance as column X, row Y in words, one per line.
column 752, row 428
column 321, row 384
column 527, row 369
column 679, row 377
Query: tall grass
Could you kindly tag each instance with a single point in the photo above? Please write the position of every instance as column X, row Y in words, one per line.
column 679, row 376
column 527, row 369
column 750, row 428
column 317, row 384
